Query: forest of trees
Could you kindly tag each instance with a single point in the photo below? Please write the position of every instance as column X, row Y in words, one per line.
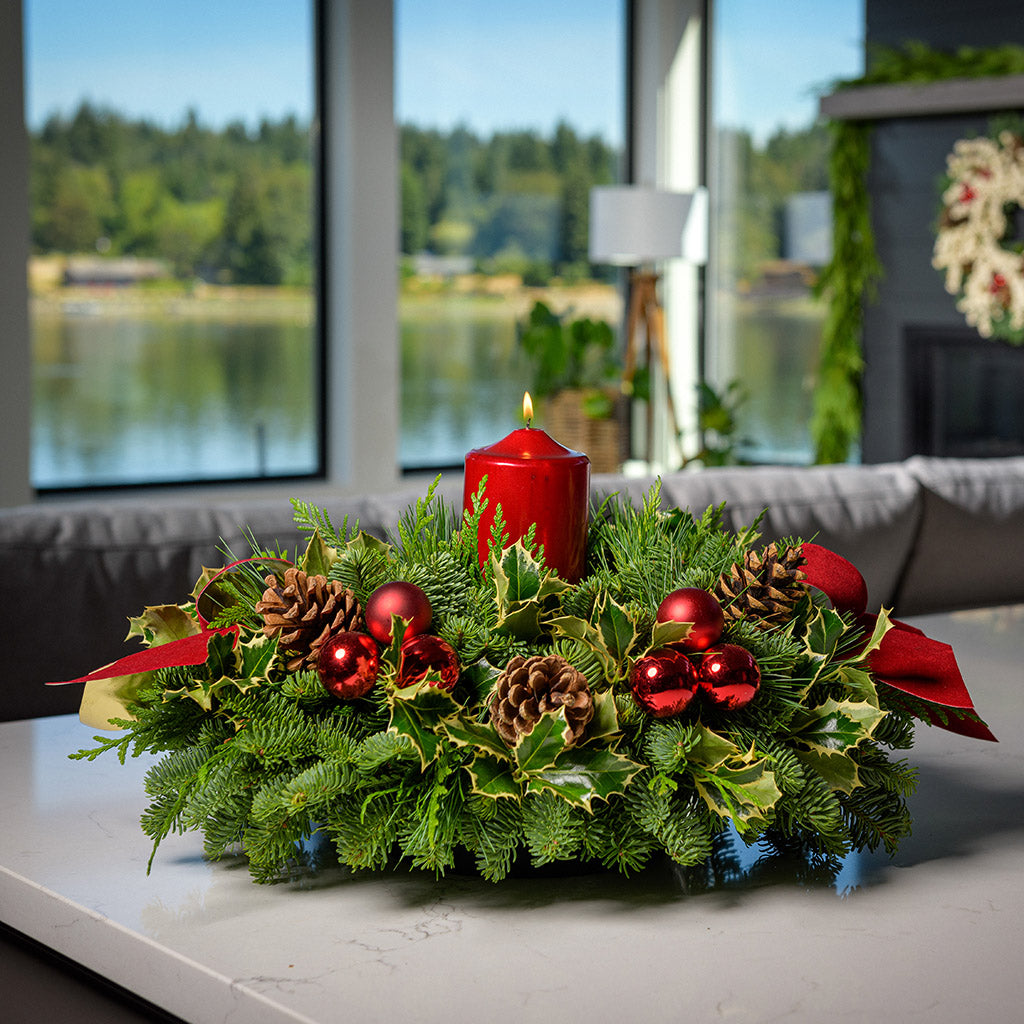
column 236, row 205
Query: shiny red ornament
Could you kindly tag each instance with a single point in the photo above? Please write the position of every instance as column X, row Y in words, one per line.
column 348, row 664
column 728, row 677
column 405, row 600
column 421, row 654
column 691, row 604
column 664, row 682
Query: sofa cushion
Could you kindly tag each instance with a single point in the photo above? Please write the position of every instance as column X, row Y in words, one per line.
column 970, row 547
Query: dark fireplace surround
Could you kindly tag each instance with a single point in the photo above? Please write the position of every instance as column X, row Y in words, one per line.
column 964, row 394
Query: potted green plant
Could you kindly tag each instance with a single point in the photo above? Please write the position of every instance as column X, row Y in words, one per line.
column 576, row 380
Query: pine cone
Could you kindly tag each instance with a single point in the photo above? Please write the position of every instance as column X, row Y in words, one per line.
column 303, row 611
column 763, row 589
column 530, row 686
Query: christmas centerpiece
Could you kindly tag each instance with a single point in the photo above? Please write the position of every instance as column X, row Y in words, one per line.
column 978, row 244
column 446, row 697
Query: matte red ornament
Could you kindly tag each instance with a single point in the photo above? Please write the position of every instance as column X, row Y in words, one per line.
column 421, row 654
column 728, row 677
column 348, row 665
column 405, row 600
column 691, row 604
column 664, row 682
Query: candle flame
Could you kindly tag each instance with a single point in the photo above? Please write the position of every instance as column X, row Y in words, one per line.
column 527, row 407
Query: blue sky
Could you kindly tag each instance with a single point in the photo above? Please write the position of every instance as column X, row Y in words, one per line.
column 488, row 64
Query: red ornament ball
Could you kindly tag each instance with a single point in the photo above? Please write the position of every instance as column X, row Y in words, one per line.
column 348, row 665
column 421, row 654
column 728, row 677
column 405, row 600
column 664, row 682
column 691, row 604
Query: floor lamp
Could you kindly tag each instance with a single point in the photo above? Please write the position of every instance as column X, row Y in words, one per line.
column 637, row 227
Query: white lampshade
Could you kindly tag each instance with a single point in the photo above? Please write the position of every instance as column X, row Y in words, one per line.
column 631, row 225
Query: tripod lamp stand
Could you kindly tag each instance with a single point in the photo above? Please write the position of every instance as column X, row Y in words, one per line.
column 634, row 226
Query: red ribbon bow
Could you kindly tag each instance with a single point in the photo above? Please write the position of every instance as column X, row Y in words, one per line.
column 906, row 659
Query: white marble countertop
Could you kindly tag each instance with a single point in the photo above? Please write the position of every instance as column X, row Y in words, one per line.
column 934, row 934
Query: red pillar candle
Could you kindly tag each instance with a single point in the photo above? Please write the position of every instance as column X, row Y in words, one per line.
column 535, row 480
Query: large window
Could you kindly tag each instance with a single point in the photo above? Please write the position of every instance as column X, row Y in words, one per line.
column 173, row 327
column 771, row 226
column 508, row 113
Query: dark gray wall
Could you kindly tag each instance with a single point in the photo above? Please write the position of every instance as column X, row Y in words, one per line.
column 908, row 159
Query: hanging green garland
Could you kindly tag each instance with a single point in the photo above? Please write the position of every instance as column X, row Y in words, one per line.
column 850, row 278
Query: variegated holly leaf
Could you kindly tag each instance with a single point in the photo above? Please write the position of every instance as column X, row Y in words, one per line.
column 581, row 774
column 835, row 725
column 319, row 556
column 823, row 634
column 576, row 628
column 837, row 769
column 709, row 749
column 665, row 633
column 860, row 684
column 466, row 732
column 618, row 631
column 605, row 722
column 517, row 576
column 162, row 623
column 493, row 777
column 418, row 712
column 540, row 747
column 745, row 793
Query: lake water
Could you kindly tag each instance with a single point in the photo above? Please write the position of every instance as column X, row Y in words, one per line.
column 133, row 398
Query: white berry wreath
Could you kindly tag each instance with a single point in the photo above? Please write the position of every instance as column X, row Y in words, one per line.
column 984, row 266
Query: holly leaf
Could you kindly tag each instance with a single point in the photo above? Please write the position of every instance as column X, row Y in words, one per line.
column 162, row 623
column 711, row 750
column 882, row 626
column 521, row 620
column 366, row 541
column 478, row 680
column 254, row 658
column 418, row 712
column 835, row 725
column 540, row 747
column 319, row 556
column 493, row 777
column 605, row 722
column 665, row 633
column 579, row 629
column 838, row 769
column 516, row 576
column 823, row 633
column 744, row 794
column 465, row 732
column 580, row 774
column 618, row 632
column 860, row 683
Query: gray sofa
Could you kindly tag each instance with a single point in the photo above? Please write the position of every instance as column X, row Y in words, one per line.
column 928, row 534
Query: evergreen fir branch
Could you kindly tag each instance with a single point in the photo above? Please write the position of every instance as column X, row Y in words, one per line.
column 492, row 830
column 553, row 829
column 363, row 832
column 614, row 838
column 380, row 748
column 224, row 827
column 362, row 569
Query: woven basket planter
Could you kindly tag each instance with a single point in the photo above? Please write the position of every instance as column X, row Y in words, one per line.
column 605, row 441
